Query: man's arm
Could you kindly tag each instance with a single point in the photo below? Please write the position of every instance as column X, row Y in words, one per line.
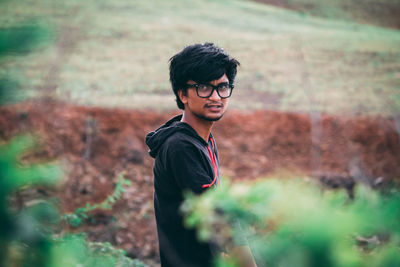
column 240, row 249
column 189, row 166
column 244, row 256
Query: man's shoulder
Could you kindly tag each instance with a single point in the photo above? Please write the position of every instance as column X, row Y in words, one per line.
column 181, row 141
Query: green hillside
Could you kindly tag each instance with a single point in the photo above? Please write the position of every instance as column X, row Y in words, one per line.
column 115, row 53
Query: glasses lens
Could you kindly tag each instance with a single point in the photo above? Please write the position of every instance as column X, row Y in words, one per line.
column 204, row 90
column 224, row 90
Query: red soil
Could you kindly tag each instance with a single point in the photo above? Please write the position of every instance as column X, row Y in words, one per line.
column 96, row 144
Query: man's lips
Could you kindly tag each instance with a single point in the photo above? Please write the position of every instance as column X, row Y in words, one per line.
column 214, row 107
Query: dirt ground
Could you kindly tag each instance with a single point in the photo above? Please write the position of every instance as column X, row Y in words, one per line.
column 384, row 14
column 96, row 144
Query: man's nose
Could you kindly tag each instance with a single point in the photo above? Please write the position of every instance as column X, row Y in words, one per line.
column 215, row 96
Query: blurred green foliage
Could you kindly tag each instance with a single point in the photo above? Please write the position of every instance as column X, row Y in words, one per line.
column 23, row 39
column 29, row 235
column 295, row 223
column 74, row 250
column 16, row 41
column 27, row 226
column 29, row 232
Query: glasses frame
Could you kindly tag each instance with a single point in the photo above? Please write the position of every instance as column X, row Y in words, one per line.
column 214, row 87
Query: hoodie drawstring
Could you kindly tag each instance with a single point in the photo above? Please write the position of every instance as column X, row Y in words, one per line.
column 214, row 164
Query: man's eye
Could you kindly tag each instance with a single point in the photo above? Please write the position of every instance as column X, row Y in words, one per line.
column 203, row 87
column 224, row 87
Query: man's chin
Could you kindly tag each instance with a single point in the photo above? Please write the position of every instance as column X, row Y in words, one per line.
column 211, row 118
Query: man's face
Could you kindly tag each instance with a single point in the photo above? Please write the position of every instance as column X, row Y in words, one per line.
column 211, row 108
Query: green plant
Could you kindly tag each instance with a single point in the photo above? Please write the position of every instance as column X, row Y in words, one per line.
column 16, row 41
column 27, row 235
column 294, row 223
column 74, row 250
column 77, row 217
column 24, row 226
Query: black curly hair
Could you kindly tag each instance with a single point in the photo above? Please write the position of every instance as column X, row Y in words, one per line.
column 201, row 63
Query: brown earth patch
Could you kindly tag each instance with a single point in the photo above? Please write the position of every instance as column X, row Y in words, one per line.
column 96, row 144
column 384, row 14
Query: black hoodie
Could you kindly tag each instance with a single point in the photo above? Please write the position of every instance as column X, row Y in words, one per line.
column 183, row 161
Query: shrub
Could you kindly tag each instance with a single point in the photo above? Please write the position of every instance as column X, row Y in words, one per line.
column 29, row 236
column 295, row 223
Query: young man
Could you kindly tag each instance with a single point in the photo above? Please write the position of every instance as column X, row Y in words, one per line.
column 186, row 156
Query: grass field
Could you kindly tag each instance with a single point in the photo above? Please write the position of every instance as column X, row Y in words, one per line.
column 115, row 54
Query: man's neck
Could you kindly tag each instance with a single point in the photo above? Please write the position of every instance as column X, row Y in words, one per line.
column 201, row 126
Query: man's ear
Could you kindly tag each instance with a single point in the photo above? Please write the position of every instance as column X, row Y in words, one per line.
column 182, row 96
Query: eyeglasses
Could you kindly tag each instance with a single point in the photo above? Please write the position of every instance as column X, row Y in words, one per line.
column 224, row 90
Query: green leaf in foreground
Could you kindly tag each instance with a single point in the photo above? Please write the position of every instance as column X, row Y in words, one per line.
column 296, row 223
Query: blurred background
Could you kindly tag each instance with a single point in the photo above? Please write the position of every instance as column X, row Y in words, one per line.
column 336, row 56
column 317, row 97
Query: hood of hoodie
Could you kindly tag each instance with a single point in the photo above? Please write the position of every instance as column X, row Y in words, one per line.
column 156, row 139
